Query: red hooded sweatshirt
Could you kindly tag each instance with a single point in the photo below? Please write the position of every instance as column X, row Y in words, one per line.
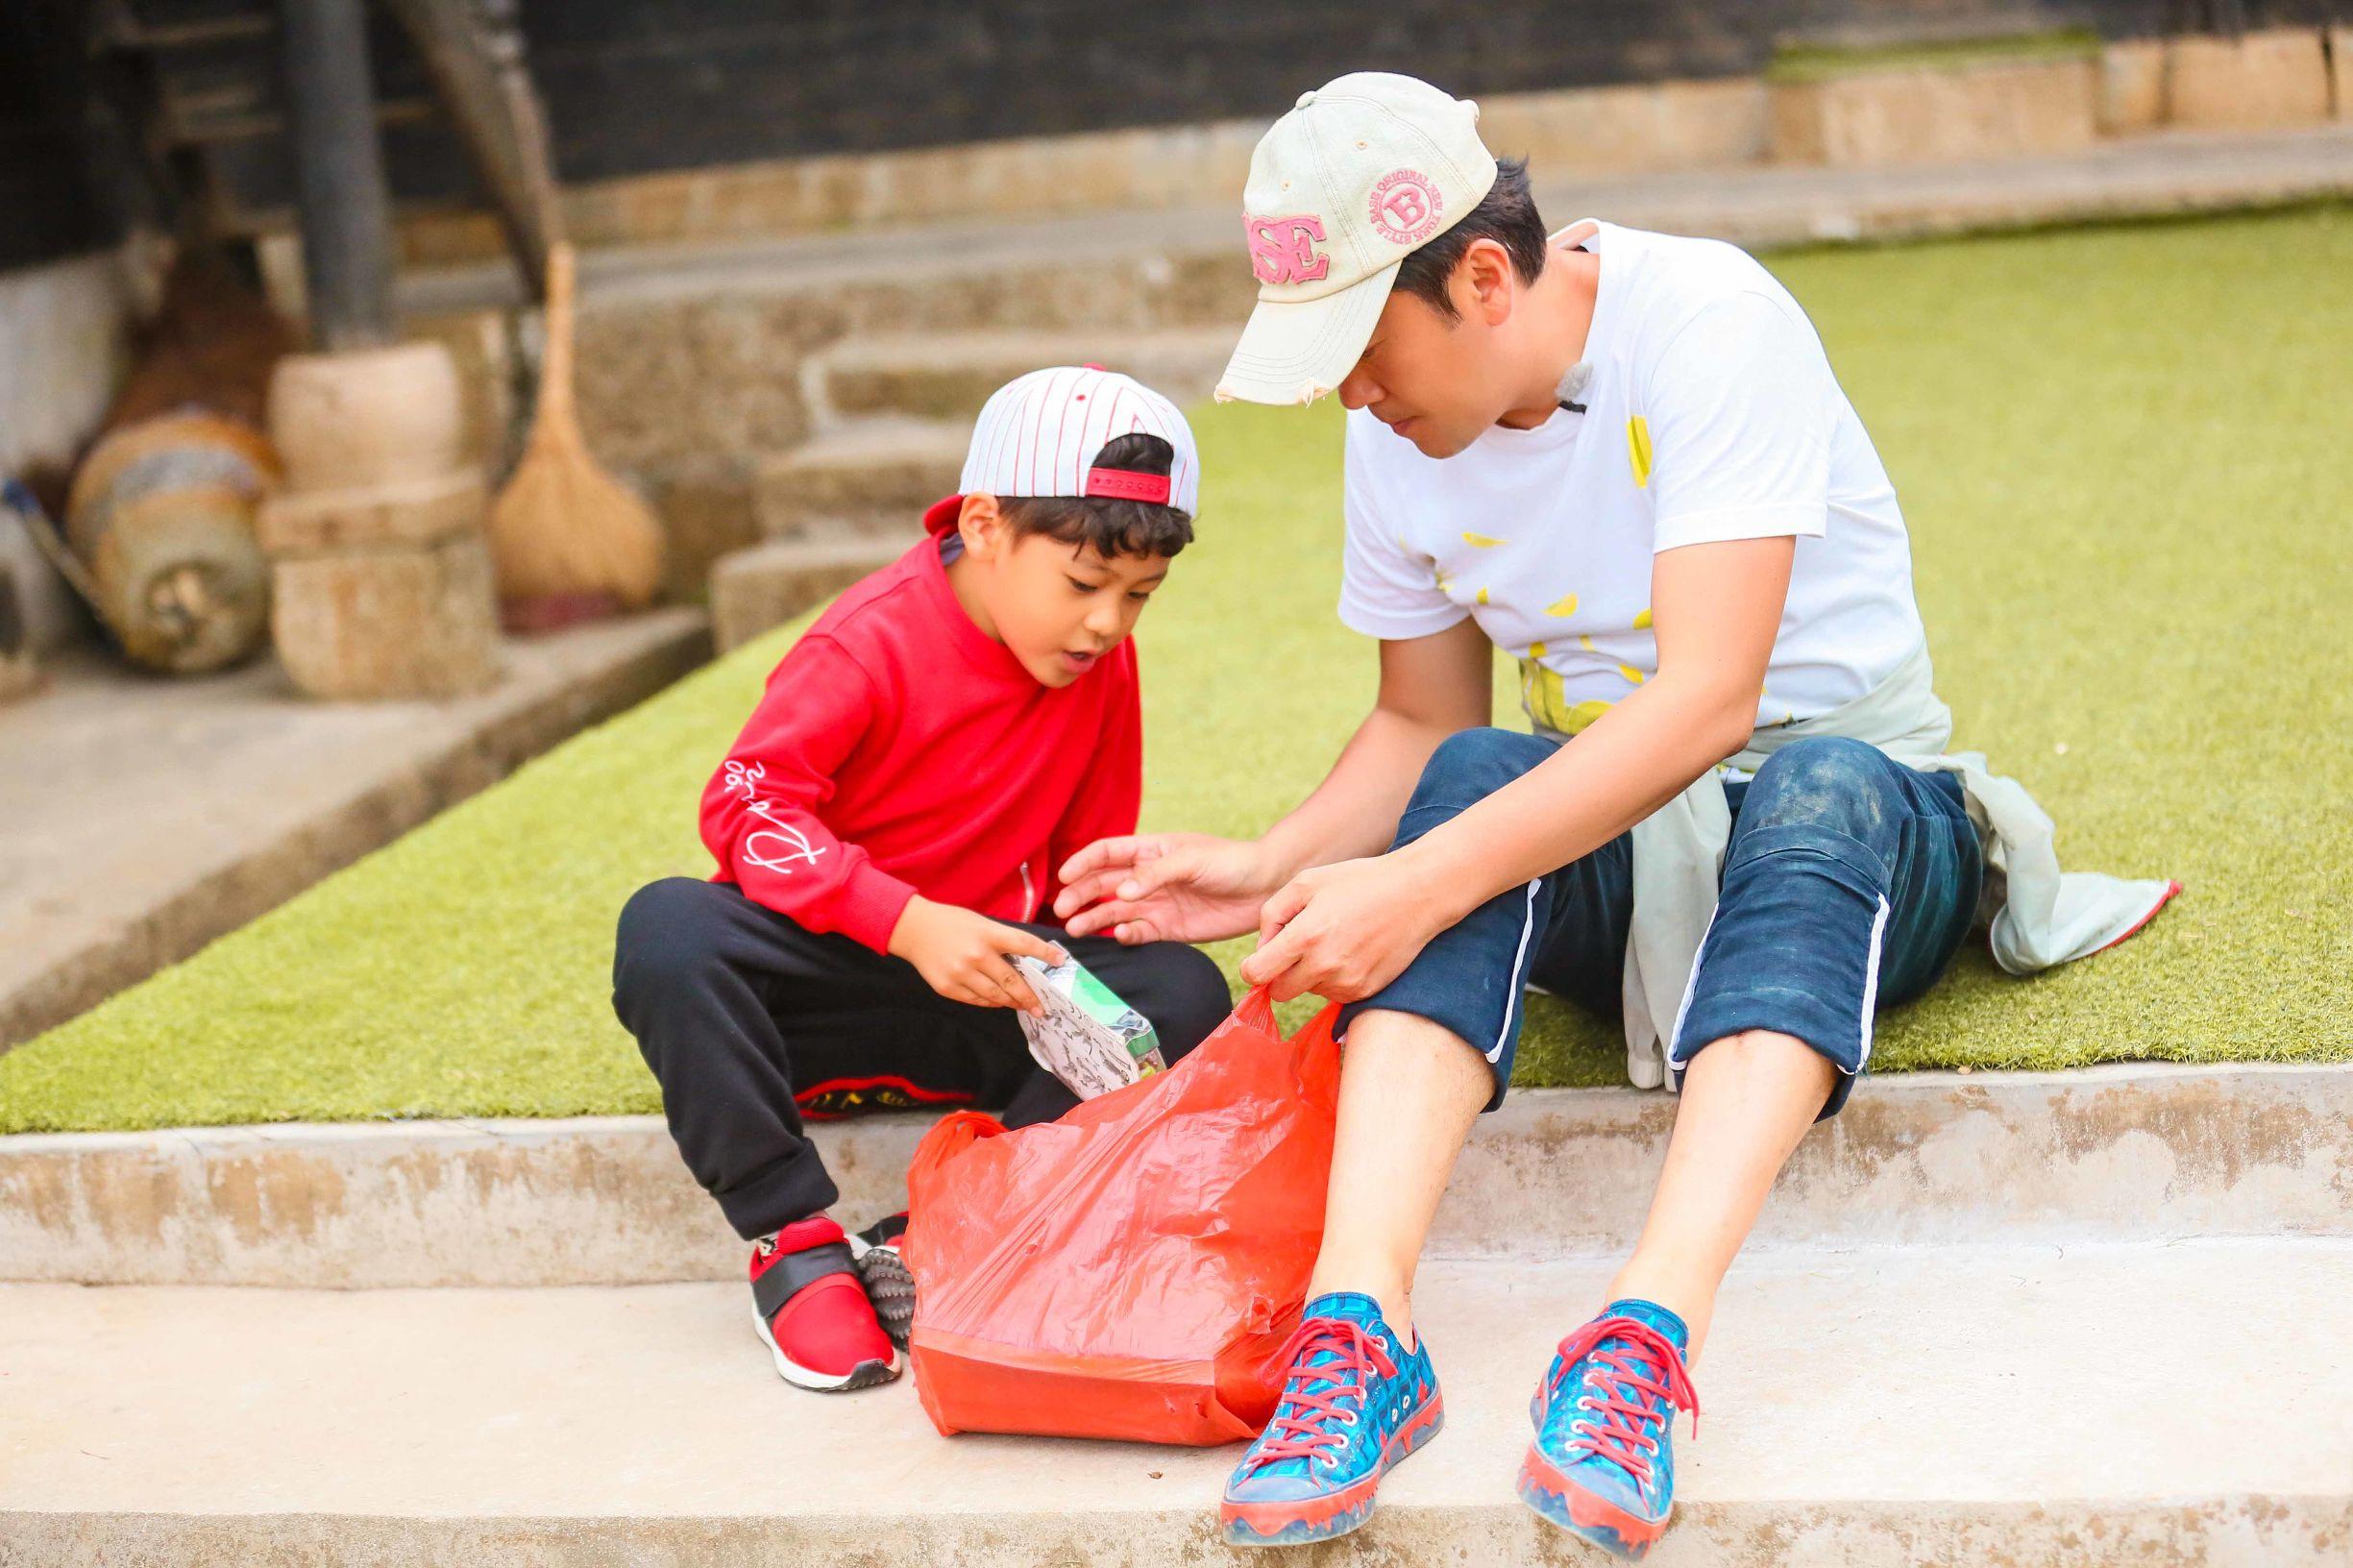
column 901, row 749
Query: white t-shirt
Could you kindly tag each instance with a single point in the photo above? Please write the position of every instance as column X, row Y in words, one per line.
column 1711, row 414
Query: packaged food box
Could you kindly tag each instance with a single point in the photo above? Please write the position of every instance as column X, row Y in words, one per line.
column 1087, row 1038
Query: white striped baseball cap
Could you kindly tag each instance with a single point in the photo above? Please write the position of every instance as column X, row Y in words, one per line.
column 1040, row 435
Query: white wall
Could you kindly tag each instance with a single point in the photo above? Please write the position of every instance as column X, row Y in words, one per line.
column 65, row 330
column 64, row 342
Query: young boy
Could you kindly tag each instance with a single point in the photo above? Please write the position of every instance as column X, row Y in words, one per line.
column 887, row 828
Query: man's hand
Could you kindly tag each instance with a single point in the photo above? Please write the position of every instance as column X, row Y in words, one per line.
column 1165, row 887
column 962, row 955
column 1345, row 930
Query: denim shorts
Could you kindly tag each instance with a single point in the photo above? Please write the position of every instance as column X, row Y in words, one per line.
column 1849, row 882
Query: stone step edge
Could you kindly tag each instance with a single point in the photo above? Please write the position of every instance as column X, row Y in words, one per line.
column 2122, row 1153
column 2223, row 1530
column 1756, row 205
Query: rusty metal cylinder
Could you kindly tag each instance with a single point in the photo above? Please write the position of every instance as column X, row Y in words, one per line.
column 162, row 513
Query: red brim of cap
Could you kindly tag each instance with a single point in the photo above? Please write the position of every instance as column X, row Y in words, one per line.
column 941, row 514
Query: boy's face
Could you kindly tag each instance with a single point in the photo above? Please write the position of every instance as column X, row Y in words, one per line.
column 1059, row 608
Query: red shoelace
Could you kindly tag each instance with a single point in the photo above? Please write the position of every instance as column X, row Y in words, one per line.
column 1309, row 1431
column 1613, row 1421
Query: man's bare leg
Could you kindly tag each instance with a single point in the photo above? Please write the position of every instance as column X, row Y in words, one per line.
column 1746, row 1100
column 1409, row 1091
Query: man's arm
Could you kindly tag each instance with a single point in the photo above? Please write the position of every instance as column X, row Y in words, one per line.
column 1189, row 887
column 1430, row 687
column 1345, row 930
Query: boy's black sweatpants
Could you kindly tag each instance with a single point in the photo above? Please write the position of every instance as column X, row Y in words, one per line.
column 753, row 1024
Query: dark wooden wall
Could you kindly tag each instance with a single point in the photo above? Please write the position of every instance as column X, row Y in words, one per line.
column 639, row 85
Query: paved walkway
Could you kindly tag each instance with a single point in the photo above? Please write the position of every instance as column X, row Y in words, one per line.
column 2099, row 1406
column 140, row 818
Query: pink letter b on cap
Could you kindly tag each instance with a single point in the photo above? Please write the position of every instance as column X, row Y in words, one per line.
column 1038, row 434
column 1364, row 170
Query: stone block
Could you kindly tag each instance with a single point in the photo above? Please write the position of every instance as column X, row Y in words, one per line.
column 1998, row 108
column 392, row 622
column 662, row 380
column 367, row 416
column 408, row 515
column 879, row 476
column 481, row 349
column 2256, row 82
column 768, row 584
column 947, row 375
column 2131, row 87
column 1638, row 128
column 705, row 505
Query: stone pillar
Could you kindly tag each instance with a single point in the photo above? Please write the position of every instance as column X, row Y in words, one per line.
column 382, row 582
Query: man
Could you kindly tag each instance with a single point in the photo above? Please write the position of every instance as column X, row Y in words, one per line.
column 1623, row 458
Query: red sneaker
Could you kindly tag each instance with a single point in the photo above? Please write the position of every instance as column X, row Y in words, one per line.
column 813, row 1314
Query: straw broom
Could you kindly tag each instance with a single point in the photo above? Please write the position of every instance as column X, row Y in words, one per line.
column 570, row 541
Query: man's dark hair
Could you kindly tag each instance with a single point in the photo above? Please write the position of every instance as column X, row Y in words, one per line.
column 1109, row 526
column 1506, row 214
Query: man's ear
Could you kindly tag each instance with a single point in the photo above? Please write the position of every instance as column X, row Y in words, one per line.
column 1485, row 285
column 982, row 525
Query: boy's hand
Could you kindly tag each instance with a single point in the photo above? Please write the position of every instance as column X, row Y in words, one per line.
column 963, row 955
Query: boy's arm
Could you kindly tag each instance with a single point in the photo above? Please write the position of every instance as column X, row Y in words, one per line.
column 761, row 818
column 761, row 811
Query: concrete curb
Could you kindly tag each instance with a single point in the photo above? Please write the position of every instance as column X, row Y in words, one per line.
column 2247, row 1532
column 2123, row 1153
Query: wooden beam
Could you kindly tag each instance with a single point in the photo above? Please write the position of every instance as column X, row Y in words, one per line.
column 480, row 73
column 340, row 174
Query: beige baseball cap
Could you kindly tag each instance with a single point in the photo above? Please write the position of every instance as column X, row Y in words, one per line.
column 1362, row 170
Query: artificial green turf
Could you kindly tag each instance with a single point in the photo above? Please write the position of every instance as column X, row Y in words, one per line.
column 2124, row 454
column 1818, row 62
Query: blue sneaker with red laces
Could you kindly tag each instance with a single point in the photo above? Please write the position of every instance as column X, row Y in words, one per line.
column 1354, row 1404
column 1603, row 1464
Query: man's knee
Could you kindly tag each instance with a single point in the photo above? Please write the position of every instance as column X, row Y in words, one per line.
column 1824, row 781
column 1472, row 764
column 666, row 938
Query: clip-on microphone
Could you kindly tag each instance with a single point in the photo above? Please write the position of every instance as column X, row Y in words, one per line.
column 1572, row 382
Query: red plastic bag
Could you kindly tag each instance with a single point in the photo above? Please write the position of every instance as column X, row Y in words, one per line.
column 1133, row 1269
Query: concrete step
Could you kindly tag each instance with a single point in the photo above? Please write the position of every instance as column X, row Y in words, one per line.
column 2109, row 1154
column 2093, row 1405
column 689, row 352
column 768, row 584
column 949, row 374
column 873, row 476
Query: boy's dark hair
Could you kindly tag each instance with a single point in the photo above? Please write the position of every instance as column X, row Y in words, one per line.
column 1109, row 526
column 1506, row 214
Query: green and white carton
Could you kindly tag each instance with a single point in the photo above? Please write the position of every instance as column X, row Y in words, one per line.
column 1089, row 1038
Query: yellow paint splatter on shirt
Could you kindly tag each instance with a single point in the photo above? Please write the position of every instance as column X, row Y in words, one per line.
column 1542, row 695
column 1642, row 618
column 1585, row 642
column 1563, row 607
column 1482, row 595
column 1631, row 674
column 1482, row 541
column 1638, row 449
